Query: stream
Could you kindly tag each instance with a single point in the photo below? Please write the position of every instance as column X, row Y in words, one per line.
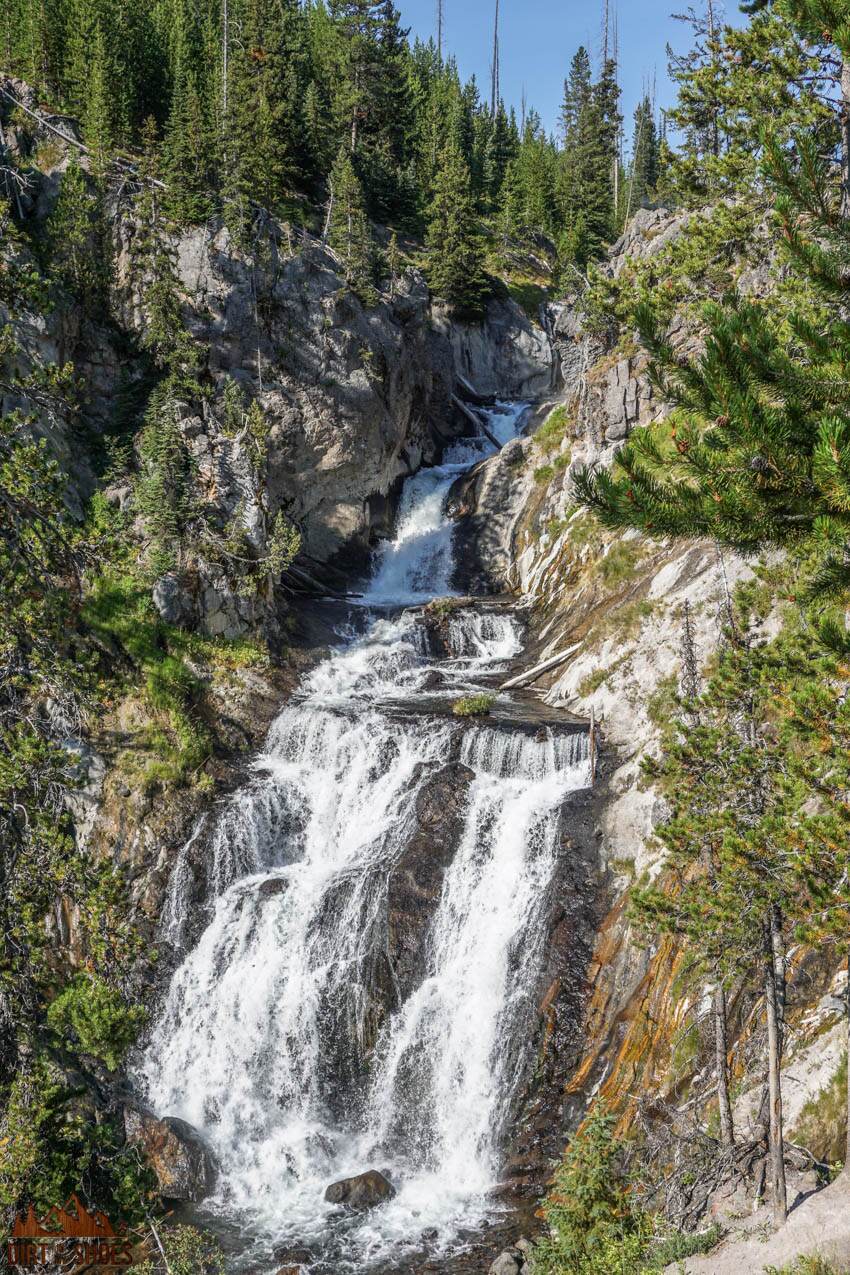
column 286, row 1036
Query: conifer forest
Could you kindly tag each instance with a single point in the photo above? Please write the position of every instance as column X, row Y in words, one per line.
column 424, row 638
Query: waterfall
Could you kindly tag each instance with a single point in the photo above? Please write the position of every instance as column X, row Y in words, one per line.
column 275, row 1039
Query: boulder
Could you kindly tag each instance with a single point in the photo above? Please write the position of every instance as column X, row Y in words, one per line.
column 364, row 1191
column 506, row 1264
column 180, row 1159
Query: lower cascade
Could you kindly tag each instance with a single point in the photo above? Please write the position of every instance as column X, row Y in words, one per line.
column 287, row 1037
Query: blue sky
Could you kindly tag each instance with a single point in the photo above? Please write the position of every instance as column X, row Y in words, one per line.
column 539, row 37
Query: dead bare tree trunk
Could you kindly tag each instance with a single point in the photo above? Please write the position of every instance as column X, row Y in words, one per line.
column 494, row 86
column 776, row 1144
column 847, row 1151
column 845, row 137
column 777, row 947
column 721, row 1037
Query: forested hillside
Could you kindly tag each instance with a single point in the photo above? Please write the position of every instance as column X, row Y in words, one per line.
column 264, row 262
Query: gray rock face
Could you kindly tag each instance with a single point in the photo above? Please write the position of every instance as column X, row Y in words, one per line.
column 355, row 399
column 364, row 1191
column 176, row 1152
column 506, row 354
column 172, row 600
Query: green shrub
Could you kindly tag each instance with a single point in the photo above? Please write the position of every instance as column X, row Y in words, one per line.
column 186, row 1251
column 676, row 1247
column 473, row 705
column 95, row 1018
column 544, row 474
column 594, row 1225
column 529, row 296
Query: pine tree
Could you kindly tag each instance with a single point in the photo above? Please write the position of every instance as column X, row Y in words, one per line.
column 264, row 95
column 758, row 454
column 189, row 155
column 584, row 188
column 348, row 227
column 644, row 167
column 593, row 1221
column 154, row 271
column 456, row 266
column 76, row 239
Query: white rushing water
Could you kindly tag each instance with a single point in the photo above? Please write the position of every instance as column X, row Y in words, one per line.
column 267, row 1038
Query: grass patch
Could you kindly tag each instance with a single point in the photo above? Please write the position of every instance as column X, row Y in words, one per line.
column 675, row 1248
column 592, row 682
column 529, row 296
column 445, row 606
column 473, row 705
column 805, row 1266
column 120, row 613
column 544, row 474
column 626, row 620
column 663, row 703
column 552, row 432
column 821, row 1124
column 620, row 563
column 583, row 531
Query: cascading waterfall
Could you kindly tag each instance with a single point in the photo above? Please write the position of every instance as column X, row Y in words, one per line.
column 268, row 1041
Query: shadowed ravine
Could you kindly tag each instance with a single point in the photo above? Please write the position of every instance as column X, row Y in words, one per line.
column 361, row 994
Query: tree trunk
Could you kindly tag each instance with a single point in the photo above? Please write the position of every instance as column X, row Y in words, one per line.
column 727, row 1129
column 845, row 138
column 776, row 1140
column 777, row 947
column 847, row 1152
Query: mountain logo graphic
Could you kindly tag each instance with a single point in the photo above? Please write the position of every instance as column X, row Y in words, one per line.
column 72, row 1221
column 70, row 1238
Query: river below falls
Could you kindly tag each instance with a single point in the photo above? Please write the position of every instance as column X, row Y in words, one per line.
column 269, row 1040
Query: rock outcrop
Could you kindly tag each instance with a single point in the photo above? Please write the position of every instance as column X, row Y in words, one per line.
column 607, row 612
column 365, row 1191
column 182, row 1163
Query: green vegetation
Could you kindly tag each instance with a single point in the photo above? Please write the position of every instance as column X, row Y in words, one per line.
column 592, row 682
column 820, row 1125
column 805, row 1266
column 596, row 1225
column 758, row 456
column 473, row 705
column 620, row 563
column 552, row 432
column 92, row 1017
column 185, row 1251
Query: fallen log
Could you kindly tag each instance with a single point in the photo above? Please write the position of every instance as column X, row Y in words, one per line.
column 476, row 422
column 531, row 675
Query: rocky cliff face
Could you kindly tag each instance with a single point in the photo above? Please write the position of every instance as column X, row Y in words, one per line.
column 355, row 397
column 607, row 623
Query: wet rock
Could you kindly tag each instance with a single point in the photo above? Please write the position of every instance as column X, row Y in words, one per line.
column 506, row 1263
column 182, row 1163
column 271, row 887
column 293, row 1259
column 364, row 1191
